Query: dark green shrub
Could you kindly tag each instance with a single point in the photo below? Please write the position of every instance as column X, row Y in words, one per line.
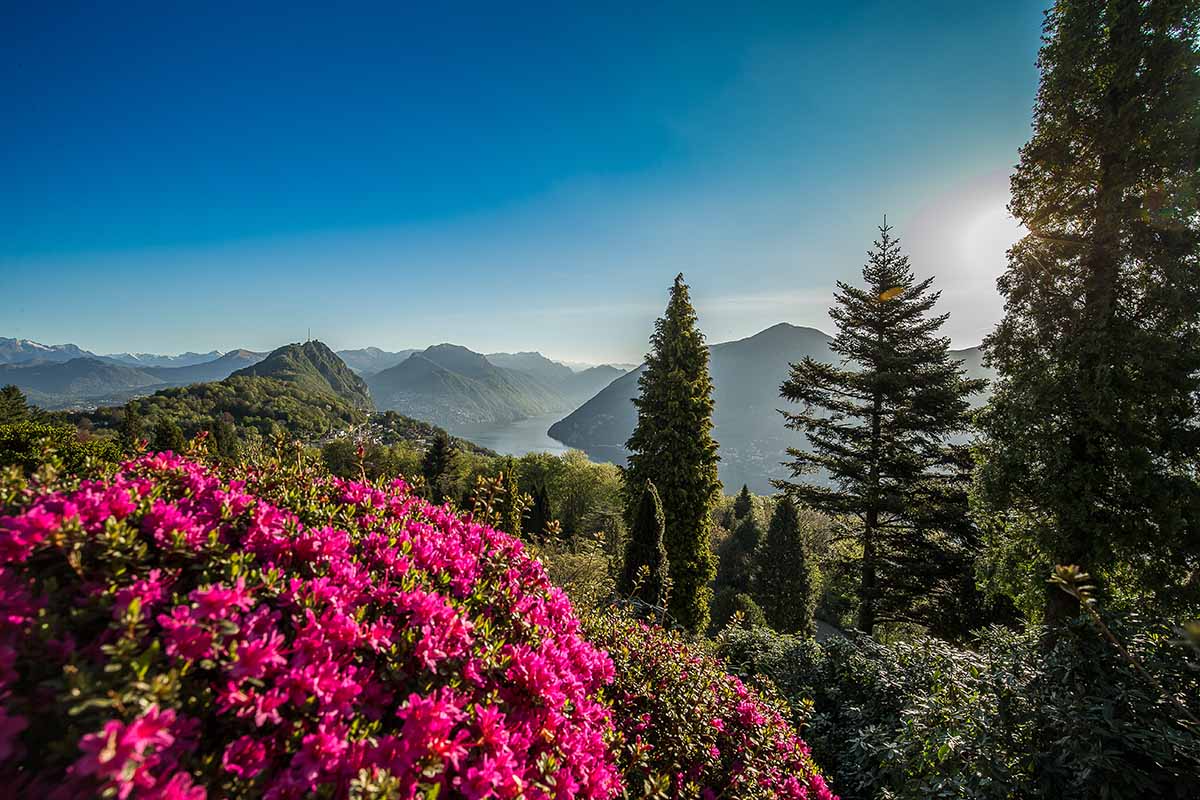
column 28, row 444
column 1004, row 719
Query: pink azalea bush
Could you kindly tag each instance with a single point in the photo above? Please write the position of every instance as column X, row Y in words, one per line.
column 687, row 729
column 170, row 632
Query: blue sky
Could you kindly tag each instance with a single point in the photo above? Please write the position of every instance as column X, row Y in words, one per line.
column 503, row 177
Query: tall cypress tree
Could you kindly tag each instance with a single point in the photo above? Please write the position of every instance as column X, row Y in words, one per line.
column 539, row 513
column 435, row 463
column 744, row 503
column 785, row 584
column 1091, row 438
column 880, row 424
column 672, row 446
column 646, row 569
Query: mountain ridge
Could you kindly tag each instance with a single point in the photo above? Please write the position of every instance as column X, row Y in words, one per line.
column 314, row 367
column 746, row 377
column 451, row 385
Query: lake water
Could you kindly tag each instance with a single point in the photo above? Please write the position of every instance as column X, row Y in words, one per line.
column 515, row 438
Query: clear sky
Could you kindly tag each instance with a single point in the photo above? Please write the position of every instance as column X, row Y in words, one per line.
column 503, row 176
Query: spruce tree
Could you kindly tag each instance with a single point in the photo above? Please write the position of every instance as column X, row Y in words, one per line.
column 646, row 569
column 672, row 446
column 744, row 503
column 880, row 423
column 435, row 463
column 13, row 407
column 1091, row 437
column 785, row 584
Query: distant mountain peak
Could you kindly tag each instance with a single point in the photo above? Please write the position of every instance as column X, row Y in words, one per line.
column 313, row 366
column 18, row 351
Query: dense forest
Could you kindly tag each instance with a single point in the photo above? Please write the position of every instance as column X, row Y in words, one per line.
column 938, row 600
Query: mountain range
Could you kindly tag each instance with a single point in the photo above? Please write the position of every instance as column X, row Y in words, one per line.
column 746, row 377
column 88, row 381
column 454, row 387
column 447, row 383
column 457, row 388
column 188, row 359
column 24, row 351
column 368, row 360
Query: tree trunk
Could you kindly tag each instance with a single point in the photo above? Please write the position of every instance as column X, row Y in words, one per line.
column 868, row 590
column 1099, row 312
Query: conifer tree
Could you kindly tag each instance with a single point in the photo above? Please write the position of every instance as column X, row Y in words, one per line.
column 1091, row 437
column 880, row 423
column 132, row 426
column 539, row 513
column 785, row 584
column 744, row 503
column 225, row 438
column 735, row 563
column 672, row 446
column 169, row 436
column 646, row 569
column 435, row 463
column 13, row 407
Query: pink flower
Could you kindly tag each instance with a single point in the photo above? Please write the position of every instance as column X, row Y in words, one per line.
column 184, row 637
column 148, row 591
column 219, row 602
column 245, row 757
column 178, row 787
column 118, row 751
column 255, row 658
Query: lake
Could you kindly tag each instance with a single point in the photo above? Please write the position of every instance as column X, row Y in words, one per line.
column 515, row 438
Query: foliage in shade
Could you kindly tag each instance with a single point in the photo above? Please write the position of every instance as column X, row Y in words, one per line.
column 672, row 447
column 169, row 436
column 1093, row 433
column 1004, row 718
column 540, row 516
column 785, row 580
column 436, row 463
column 172, row 633
column 646, row 570
column 689, row 730
column 13, row 406
column 880, row 428
column 735, row 564
column 743, row 504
